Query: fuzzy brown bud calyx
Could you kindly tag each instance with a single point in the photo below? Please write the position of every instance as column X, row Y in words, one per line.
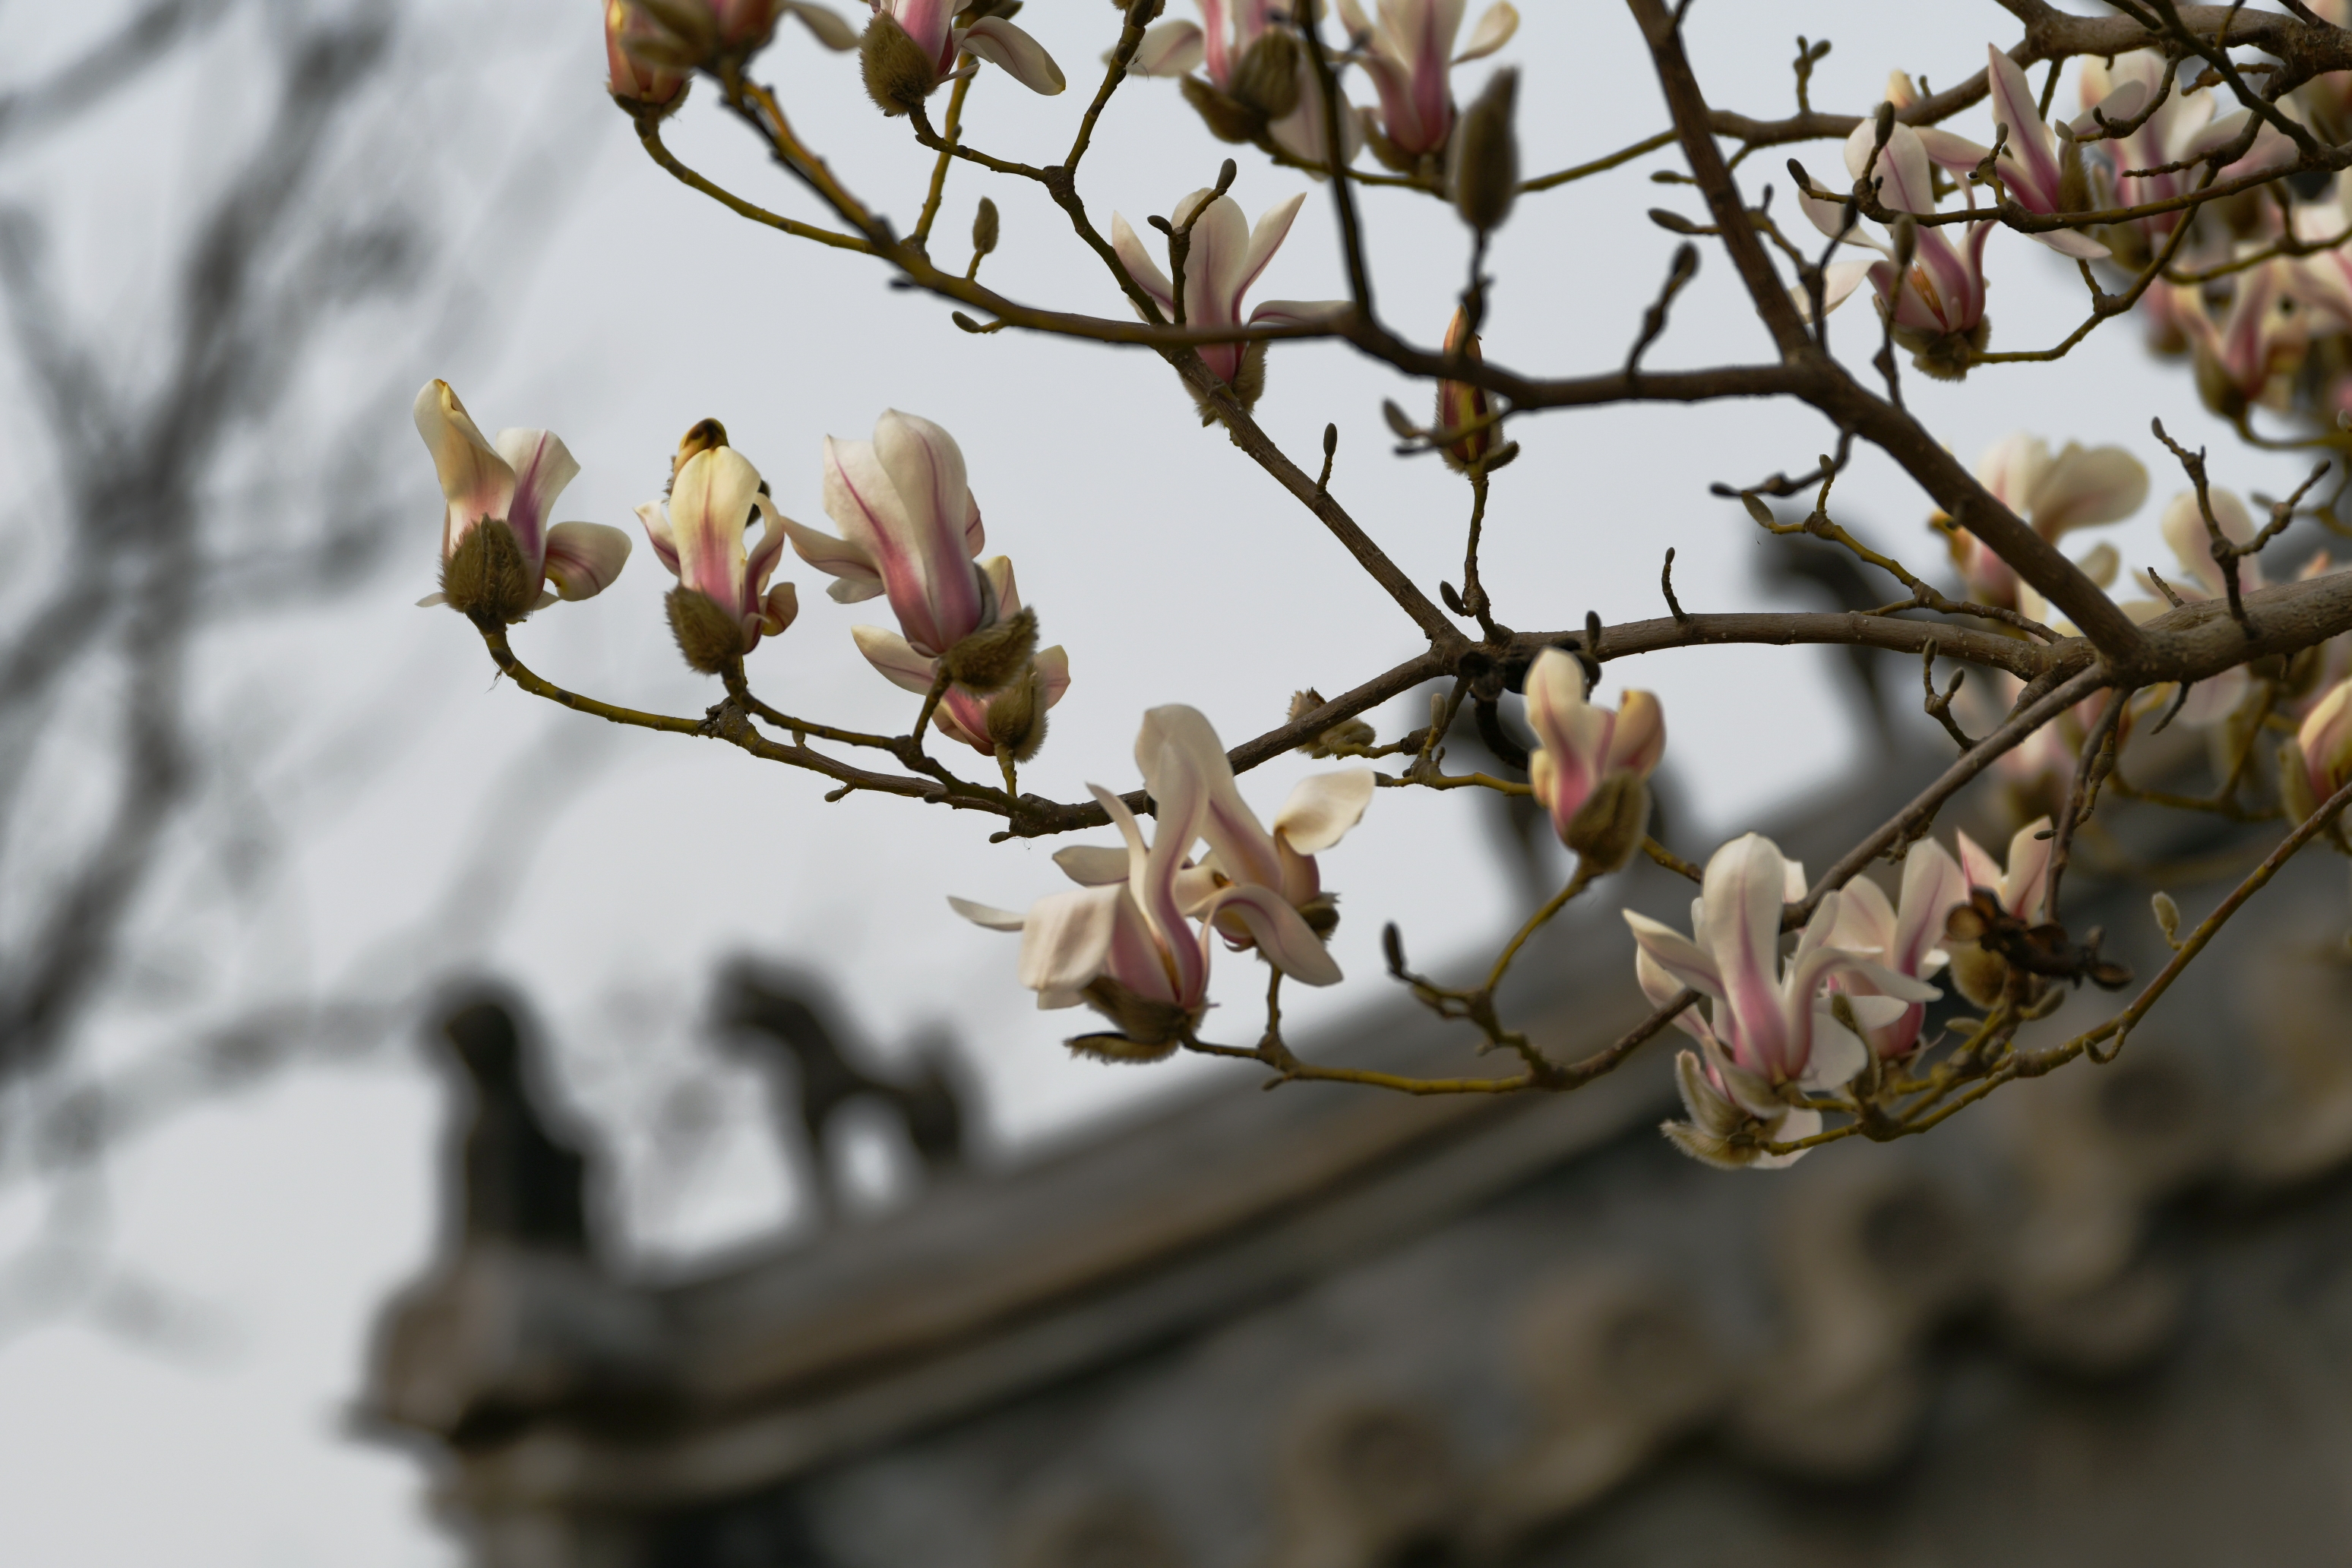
column 709, row 637
column 899, row 75
column 1485, row 175
column 485, row 577
column 992, row 657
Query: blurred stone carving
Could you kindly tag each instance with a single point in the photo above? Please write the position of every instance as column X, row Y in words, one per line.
column 2096, row 1151
column 1106, row 1530
column 1616, row 1369
column 1365, row 1482
column 517, row 1319
column 1868, row 1257
column 770, row 1010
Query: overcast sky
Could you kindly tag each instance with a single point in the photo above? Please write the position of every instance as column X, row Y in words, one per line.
column 1171, row 568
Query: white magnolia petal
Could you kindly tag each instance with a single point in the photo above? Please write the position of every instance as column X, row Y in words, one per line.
column 837, row 557
column 987, row 915
column 1092, row 865
column 1839, row 280
column 1280, row 934
column 476, row 483
column 1053, row 672
column 1866, row 920
column 1322, row 807
column 1493, row 31
column 1169, row 48
column 1129, row 246
column 1686, row 961
column 2073, row 245
column 1065, row 938
column 1838, row 1054
column 1015, row 52
column 2025, row 887
column 895, row 658
column 542, row 466
column 1795, row 1125
column 582, row 558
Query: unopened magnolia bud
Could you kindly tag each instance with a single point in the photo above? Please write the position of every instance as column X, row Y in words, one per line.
column 485, row 575
column 1227, row 121
column 1981, row 977
column 1268, row 78
column 1608, row 827
column 1486, row 155
column 2073, row 176
column 899, row 74
column 709, row 637
column 1461, row 404
column 648, row 74
column 701, row 437
column 1017, row 717
column 1907, row 242
column 985, row 228
column 992, row 657
column 2168, row 917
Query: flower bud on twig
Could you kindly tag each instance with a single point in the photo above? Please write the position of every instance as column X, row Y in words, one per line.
column 1486, row 155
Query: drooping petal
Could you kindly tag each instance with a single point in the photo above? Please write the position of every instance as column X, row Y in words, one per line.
column 1092, row 865
column 582, row 558
column 854, row 575
column 1322, row 807
column 1065, row 938
column 1053, row 672
column 542, row 466
column 1839, row 280
column 760, row 564
column 1278, row 933
column 898, row 661
column 657, row 526
column 1493, row 31
column 2084, row 487
column 1675, row 955
column 1169, row 48
column 1015, row 53
column 476, row 481
column 987, row 915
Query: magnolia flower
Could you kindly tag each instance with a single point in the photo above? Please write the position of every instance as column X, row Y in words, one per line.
column 680, row 35
column 722, row 602
column 2080, row 488
column 1226, row 258
column 1592, row 769
column 1938, row 304
column 498, row 552
column 1409, row 55
column 1906, row 938
column 2214, row 698
column 1127, row 948
column 633, row 46
column 2251, row 354
column 2032, row 166
column 2022, row 885
column 1260, row 86
column 1770, row 1032
column 910, row 46
column 2319, row 761
column 1322, row 807
column 1013, row 717
column 2181, row 127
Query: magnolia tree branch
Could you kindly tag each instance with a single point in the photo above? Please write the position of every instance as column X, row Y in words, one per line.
column 1594, row 798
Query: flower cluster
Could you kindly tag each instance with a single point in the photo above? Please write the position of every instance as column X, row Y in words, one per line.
column 1133, row 940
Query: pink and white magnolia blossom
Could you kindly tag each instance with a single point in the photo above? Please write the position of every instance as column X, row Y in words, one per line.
column 2080, row 488
column 1321, row 810
column 1938, row 305
column 963, row 715
column 2181, row 127
column 1127, row 947
column 1222, row 42
column 2216, row 697
column 1770, row 1032
column 2319, row 762
column 515, row 482
column 638, row 58
column 911, row 531
column 1580, row 748
column 2251, row 354
column 931, row 25
column 699, row 535
column 1906, row 937
column 2032, row 164
column 2022, row 883
column 1226, row 258
column 680, row 35
column 1408, row 54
